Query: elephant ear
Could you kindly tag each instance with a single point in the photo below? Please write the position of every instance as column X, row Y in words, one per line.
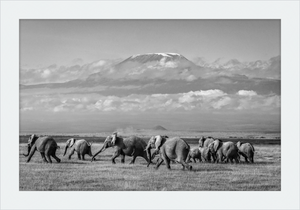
column 211, row 147
column 201, row 141
column 32, row 139
column 70, row 142
column 217, row 144
column 158, row 141
column 114, row 138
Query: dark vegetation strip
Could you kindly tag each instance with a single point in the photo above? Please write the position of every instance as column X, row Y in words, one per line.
column 62, row 139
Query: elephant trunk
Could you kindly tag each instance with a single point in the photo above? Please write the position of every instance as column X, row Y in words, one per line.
column 28, row 148
column 90, row 151
column 101, row 150
column 66, row 148
column 148, row 151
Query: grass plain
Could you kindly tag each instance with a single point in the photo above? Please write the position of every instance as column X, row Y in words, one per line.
column 102, row 175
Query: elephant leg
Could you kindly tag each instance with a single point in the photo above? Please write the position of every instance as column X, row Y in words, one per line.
column 32, row 151
column 49, row 158
column 83, row 156
column 188, row 159
column 43, row 157
column 194, row 160
column 71, row 153
column 133, row 160
column 184, row 164
column 116, row 154
column 251, row 159
column 133, row 151
column 122, row 158
column 56, row 158
column 78, row 155
column 146, row 158
column 159, row 162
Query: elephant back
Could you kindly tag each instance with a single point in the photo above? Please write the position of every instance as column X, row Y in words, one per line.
column 45, row 142
column 135, row 141
column 229, row 146
column 207, row 141
column 177, row 142
column 81, row 145
column 247, row 147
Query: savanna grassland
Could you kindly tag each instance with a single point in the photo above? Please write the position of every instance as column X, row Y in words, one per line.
column 102, row 175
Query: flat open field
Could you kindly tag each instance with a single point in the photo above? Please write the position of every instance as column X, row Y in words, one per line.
column 102, row 175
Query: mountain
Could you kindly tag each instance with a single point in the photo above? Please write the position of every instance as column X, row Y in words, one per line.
column 169, row 73
column 150, row 66
column 159, row 128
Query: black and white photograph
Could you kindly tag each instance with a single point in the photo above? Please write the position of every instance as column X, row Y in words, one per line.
column 150, row 105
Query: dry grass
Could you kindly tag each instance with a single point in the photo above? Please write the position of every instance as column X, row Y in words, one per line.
column 102, row 175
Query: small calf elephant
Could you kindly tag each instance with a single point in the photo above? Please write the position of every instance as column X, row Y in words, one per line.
column 246, row 150
column 46, row 145
column 80, row 146
column 195, row 154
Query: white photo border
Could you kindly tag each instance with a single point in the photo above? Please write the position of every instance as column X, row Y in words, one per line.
column 286, row 11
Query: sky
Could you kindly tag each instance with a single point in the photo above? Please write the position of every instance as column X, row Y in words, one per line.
column 47, row 42
column 95, row 93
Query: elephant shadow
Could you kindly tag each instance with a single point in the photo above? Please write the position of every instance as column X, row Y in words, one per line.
column 211, row 169
column 74, row 163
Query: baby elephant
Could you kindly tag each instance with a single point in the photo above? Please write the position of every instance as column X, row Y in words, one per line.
column 246, row 150
column 194, row 154
column 80, row 146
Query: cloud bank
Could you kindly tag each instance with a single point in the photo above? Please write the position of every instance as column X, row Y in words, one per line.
column 194, row 100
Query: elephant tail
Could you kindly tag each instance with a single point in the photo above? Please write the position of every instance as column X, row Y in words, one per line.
column 252, row 147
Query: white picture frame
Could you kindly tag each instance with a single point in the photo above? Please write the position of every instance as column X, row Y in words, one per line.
column 13, row 11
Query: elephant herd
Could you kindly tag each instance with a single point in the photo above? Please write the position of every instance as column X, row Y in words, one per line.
column 169, row 149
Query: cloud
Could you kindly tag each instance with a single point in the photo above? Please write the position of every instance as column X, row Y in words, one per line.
column 247, row 93
column 202, row 100
column 59, row 74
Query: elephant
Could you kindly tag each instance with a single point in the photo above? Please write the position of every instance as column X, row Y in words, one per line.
column 246, row 150
column 220, row 149
column 206, row 154
column 80, row 146
column 194, row 154
column 46, row 145
column 205, row 141
column 130, row 146
column 169, row 149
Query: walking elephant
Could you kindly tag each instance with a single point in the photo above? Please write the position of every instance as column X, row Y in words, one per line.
column 228, row 150
column 46, row 145
column 246, row 150
column 169, row 149
column 194, row 154
column 132, row 146
column 80, row 146
column 205, row 141
column 206, row 154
